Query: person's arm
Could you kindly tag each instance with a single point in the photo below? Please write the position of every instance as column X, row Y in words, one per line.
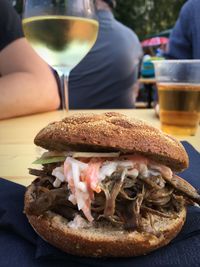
column 27, row 84
column 180, row 45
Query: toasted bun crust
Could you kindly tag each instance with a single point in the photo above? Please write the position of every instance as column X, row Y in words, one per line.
column 113, row 132
column 102, row 242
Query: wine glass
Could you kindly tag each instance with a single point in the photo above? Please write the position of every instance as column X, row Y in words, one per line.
column 62, row 32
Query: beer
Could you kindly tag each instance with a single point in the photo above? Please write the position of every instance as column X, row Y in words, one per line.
column 179, row 107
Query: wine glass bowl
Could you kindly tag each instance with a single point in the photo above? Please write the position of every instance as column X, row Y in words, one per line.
column 61, row 31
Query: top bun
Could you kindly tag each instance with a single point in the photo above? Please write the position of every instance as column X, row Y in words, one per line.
column 113, row 132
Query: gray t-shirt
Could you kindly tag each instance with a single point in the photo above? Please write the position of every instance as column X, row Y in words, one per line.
column 104, row 78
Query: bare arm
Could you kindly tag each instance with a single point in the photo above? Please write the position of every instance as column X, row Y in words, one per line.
column 27, row 84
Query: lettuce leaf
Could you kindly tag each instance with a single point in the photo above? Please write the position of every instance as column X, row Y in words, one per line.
column 49, row 160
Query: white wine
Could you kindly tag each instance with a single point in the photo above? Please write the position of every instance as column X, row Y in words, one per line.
column 62, row 41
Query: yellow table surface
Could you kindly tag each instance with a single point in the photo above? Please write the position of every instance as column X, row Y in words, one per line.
column 17, row 150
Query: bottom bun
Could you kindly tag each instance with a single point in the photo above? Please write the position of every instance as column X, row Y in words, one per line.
column 105, row 241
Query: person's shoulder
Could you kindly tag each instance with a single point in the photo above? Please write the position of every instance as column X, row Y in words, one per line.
column 190, row 6
column 6, row 11
column 5, row 6
column 189, row 11
column 126, row 30
column 10, row 24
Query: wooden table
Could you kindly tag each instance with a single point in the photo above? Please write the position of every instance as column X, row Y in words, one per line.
column 147, row 80
column 148, row 85
column 17, row 150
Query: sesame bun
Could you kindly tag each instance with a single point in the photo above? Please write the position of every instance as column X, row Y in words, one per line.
column 113, row 132
column 105, row 241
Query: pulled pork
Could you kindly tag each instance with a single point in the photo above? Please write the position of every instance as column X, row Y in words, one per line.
column 124, row 200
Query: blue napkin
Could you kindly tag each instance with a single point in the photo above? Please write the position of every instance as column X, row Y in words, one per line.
column 21, row 246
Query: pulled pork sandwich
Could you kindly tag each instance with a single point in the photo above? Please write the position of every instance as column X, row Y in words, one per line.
column 108, row 186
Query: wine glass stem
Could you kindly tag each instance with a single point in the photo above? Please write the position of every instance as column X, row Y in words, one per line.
column 64, row 92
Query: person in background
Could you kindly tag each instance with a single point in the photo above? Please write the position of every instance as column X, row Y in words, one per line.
column 105, row 78
column 161, row 51
column 27, row 84
column 184, row 40
column 185, row 37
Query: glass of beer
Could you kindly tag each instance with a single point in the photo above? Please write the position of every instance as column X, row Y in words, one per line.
column 62, row 32
column 178, row 83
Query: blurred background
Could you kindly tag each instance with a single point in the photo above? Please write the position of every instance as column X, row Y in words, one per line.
column 148, row 17
column 145, row 17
